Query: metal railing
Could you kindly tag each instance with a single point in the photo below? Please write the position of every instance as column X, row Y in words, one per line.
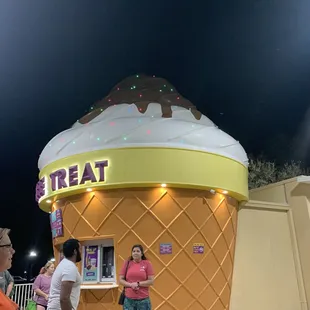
column 23, row 292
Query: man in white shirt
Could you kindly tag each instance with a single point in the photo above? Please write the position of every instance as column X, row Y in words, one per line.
column 66, row 280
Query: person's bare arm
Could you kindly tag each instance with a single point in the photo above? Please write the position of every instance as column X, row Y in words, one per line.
column 41, row 293
column 123, row 282
column 148, row 282
column 65, row 292
column 9, row 289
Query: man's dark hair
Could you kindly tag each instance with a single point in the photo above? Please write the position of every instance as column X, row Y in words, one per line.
column 69, row 247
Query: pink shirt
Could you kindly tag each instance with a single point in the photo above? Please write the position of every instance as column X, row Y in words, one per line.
column 137, row 272
column 42, row 283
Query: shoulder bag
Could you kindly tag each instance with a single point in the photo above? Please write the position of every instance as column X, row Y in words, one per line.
column 122, row 296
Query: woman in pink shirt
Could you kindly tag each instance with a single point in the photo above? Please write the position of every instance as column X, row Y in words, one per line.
column 137, row 276
column 42, row 284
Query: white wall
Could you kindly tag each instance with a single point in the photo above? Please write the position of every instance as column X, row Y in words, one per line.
column 265, row 276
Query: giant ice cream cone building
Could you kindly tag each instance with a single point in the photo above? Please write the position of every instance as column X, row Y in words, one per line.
column 145, row 166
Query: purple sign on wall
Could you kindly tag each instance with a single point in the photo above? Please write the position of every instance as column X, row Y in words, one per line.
column 56, row 223
column 198, row 248
column 165, row 248
column 90, row 267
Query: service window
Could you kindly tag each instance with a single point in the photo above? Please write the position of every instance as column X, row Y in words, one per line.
column 98, row 261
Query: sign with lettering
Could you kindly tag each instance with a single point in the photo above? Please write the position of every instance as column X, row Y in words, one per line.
column 165, row 248
column 56, row 223
column 198, row 248
column 71, row 177
column 90, row 263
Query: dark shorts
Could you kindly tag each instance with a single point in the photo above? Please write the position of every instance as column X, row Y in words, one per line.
column 137, row 304
column 45, row 307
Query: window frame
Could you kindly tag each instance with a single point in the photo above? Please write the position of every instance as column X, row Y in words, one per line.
column 100, row 243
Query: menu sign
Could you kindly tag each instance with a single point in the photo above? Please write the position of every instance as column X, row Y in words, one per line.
column 165, row 248
column 56, row 223
column 198, row 248
column 90, row 267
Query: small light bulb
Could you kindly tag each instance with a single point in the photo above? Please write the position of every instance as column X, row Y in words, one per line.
column 89, row 189
column 163, row 185
column 225, row 192
column 48, row 201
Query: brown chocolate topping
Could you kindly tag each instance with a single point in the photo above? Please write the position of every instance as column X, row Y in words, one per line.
column 142, row 90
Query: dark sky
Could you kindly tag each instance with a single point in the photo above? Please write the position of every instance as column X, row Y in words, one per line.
column 244, row 63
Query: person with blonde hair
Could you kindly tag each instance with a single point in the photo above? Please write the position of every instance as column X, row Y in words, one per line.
column 6, row 254
column 42, row 285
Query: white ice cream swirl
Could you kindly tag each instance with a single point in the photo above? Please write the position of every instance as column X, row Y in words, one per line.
column 124, row 125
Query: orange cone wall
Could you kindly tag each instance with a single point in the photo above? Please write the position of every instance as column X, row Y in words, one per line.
column 182, row 217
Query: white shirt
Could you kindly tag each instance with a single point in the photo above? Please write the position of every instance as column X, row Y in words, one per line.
column 65, row 271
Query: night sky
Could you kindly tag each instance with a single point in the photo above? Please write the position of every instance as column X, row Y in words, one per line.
column 245, row 64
